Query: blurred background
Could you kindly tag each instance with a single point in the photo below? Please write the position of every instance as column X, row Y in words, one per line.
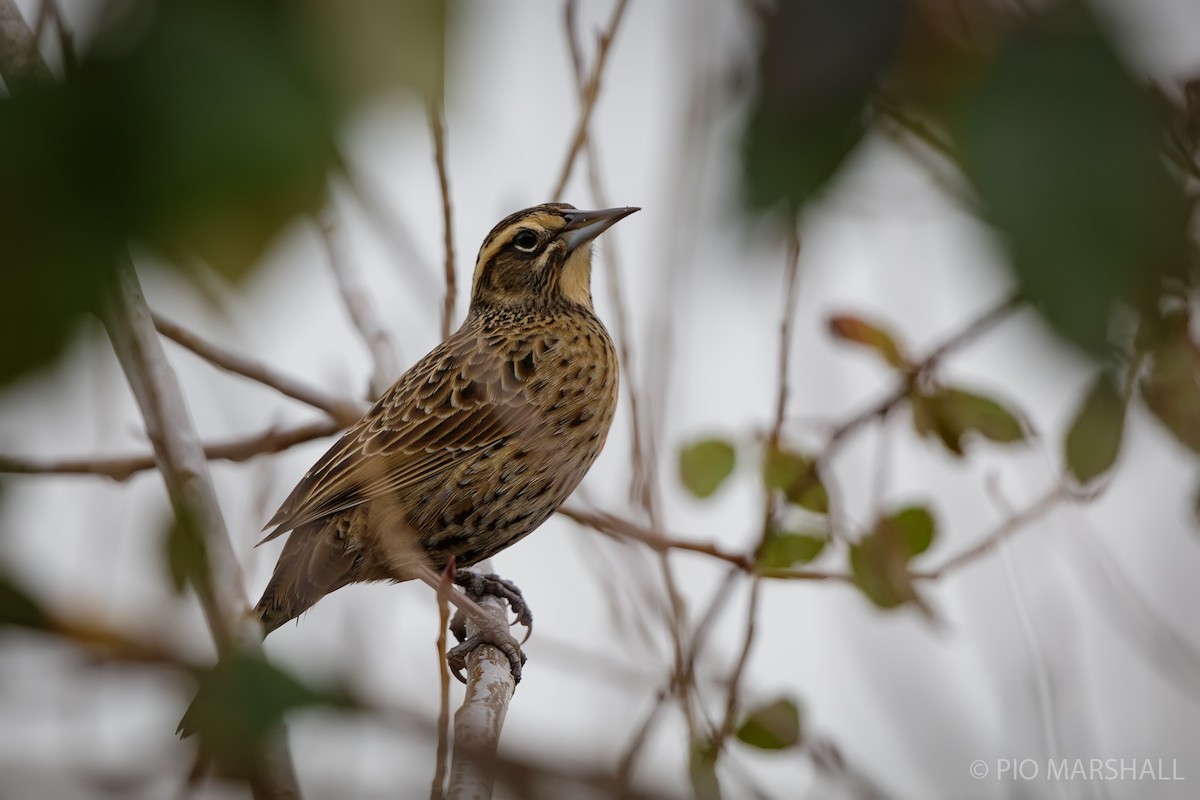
column 976, row 527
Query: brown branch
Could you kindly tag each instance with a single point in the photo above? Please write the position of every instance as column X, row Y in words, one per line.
column 480, row 719
column 885, row 405
column 1005, row 529
column 437, row 789
column 184, row 469
column 589, row 94
column 619, row 528
column 438, row 129
column 345, row 410
column 357, row 300
column 122, row 468
column 783, row 385
column 21, row 63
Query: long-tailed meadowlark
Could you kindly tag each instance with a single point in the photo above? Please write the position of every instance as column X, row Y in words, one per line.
column 480, row 441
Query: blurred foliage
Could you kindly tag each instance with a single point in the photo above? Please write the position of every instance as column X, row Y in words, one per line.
column 18, row 609
column 185, row 553
column 951, row 414
column 1171, row 387
column 197, row 127
column 1094, row 439
column 797, row 477
column 879, row 560
column 782, row 549
column 1062, row 145
column 774, row 726
column 818, row 67
column 241, row 703
column 704, row 466
column 852, row 329
column 1074, row 159
column 702, row 771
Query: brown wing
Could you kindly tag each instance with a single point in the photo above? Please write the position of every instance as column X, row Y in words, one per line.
column 462, row 398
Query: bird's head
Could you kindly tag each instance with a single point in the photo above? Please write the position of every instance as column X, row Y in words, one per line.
column 541, row 256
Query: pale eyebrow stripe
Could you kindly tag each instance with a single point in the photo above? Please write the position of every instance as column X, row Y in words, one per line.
column 494, row 243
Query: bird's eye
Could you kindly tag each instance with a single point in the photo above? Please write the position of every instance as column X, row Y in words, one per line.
column 525, row 240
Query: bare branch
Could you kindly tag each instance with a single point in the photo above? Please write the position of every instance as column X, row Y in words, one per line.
column 122, row 468
column 342, row 409
column 437, row 789
column 185, row 471
column 480, row 718
column 590, row 92
column 884, row 406
column 359, row 306
column 783, row 384
column 21, row 63
column 619, row 528
column 1009, row 526
column 437, row 127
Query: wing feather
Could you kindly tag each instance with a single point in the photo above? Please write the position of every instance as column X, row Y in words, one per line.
column 446, row 409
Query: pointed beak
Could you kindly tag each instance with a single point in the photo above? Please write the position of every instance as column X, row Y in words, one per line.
column 583, row 226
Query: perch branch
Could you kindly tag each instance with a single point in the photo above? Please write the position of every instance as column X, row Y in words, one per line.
column 480, row 718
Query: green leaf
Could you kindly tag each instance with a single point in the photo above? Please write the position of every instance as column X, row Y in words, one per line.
column 775, row 726
column 18, row 608
column 819, row 64
column 702, row 771
column 241, row 704
column 1064, row 150
column 1171, row 388
column 704, row 466
column 950, row 414
column 781, row 549
column 879, row 560
column 185, row 553
column 914, row 526
column 797, row 476
column 1094, row 439
column 857, row 331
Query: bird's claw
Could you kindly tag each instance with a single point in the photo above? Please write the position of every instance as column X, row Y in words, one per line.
column 476, row 586
column 487, row 631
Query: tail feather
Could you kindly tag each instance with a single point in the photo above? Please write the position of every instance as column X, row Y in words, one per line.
column 314, row 562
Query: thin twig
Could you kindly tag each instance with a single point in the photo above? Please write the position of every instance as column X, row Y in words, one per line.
column 437, row 128
column 438, row 789
column 783, row 387
column 386, row 367
column 884, row 406
column 345, row 410
column 1009, row 526
column 122, row 468
column 588, row 96
column 620, row 528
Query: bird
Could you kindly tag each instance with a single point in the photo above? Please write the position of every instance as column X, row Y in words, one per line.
column 479, row 442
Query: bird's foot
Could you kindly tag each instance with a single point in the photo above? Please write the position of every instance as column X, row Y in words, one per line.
column 489, row 630
column 477, row 586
